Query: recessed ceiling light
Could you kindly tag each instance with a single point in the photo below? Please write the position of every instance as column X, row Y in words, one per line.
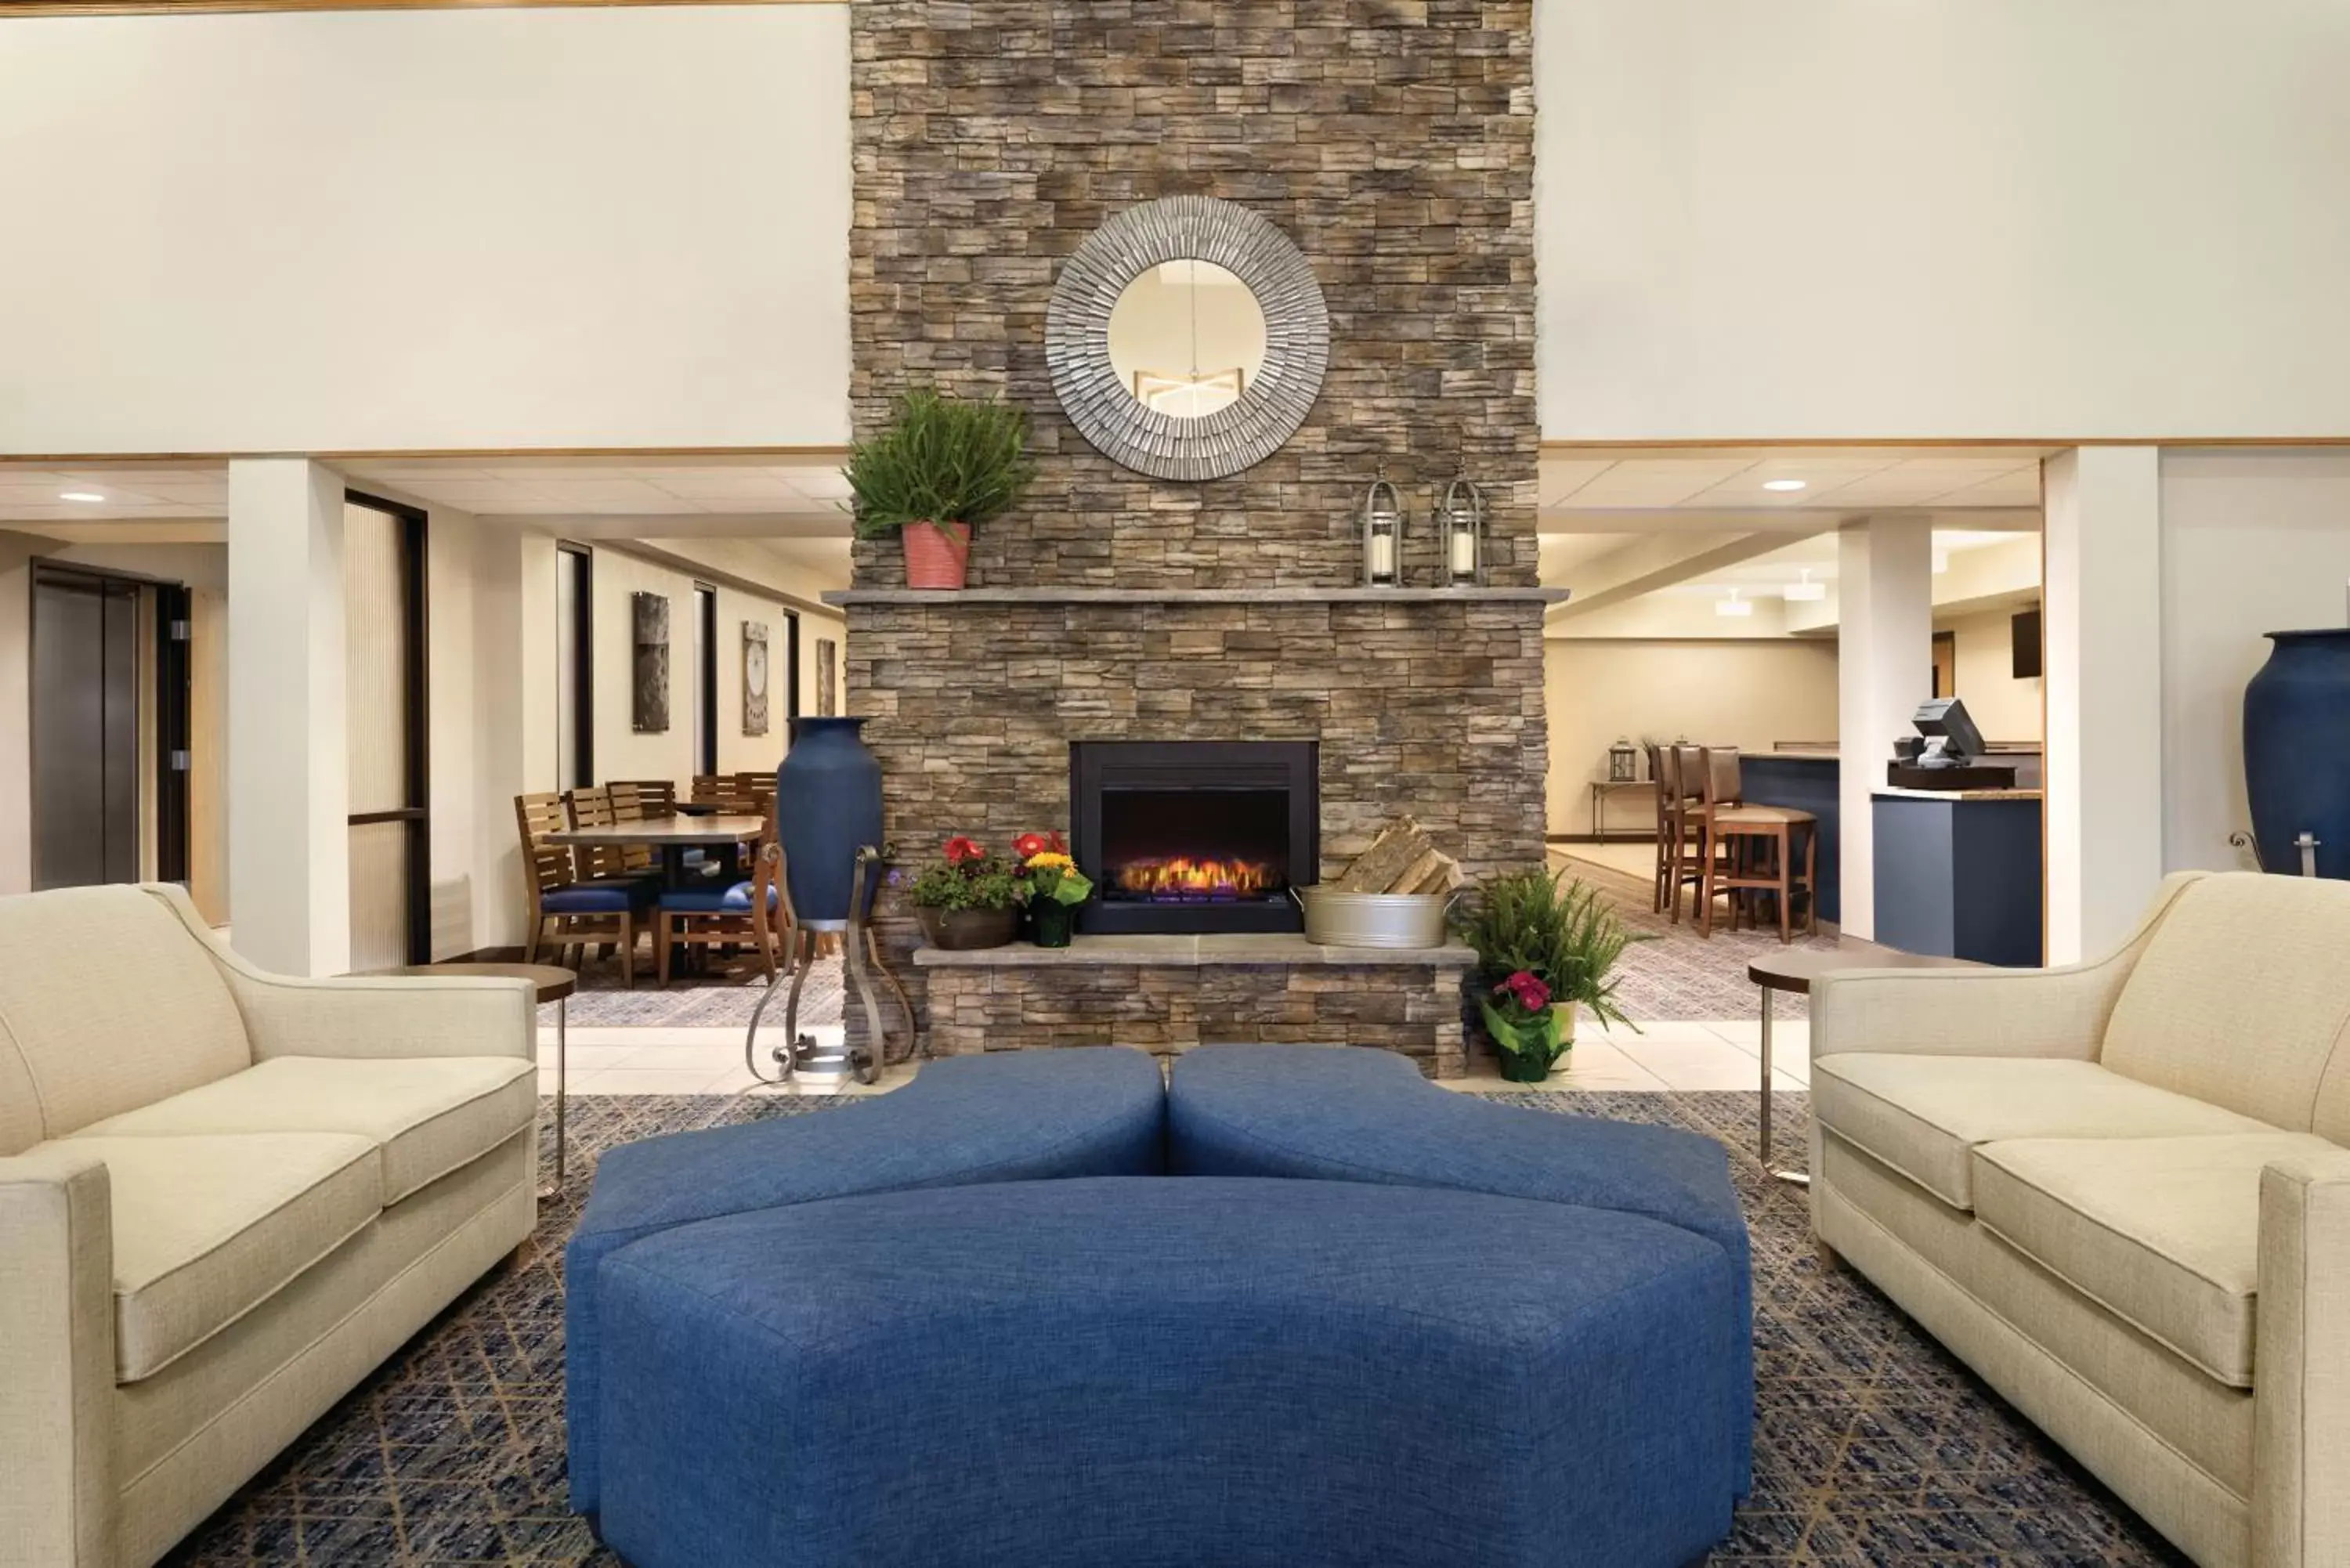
column 1808, row 590
column 1786, row 484
column 79, row 495
column 1733, row 604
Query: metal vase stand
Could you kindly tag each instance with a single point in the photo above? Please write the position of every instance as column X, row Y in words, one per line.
column 860, row 948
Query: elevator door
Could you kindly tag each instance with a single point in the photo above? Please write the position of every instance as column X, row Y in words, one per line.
column 85, row 729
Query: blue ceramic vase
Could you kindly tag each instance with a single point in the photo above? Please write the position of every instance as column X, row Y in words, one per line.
column 2297, row 750
column 828, row 804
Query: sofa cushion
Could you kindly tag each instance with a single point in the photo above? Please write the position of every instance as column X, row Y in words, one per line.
column 1922, row 1115
column 112, row 1001
column 2164, row 1232
column 2242, row 999
column 207, row 1229
column 428, row 1115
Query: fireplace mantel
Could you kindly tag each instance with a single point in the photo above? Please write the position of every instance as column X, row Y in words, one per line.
column 939, row 598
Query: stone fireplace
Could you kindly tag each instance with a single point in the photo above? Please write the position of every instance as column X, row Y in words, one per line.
column 1194, row 835
column 1392, row 140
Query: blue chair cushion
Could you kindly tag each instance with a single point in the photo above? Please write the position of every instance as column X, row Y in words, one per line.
column 1159, row 1374
column 599, row 894
column 711, row 901
column 1348, row 1114
column 1014, row 1117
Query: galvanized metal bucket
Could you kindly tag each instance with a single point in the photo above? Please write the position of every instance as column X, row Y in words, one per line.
column 1339, row 919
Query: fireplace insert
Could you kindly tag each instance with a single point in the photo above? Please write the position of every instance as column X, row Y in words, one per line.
column 1193, row 835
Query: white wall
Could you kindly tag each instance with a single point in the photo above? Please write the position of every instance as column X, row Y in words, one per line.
column 2002, row 707
column 1943, row 218
column 371, row 230
column 1744, row 695
column 2251, row 542
column 621, row 752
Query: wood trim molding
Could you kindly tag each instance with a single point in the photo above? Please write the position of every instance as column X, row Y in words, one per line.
column 19, row 8
column 1935, row 443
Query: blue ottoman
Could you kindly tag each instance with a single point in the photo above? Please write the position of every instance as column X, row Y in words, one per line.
column 1017, row 1116
column 1171, row 1374
column 1340, row 1113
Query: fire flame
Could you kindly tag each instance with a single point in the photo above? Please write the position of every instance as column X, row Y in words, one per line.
column 1183, row 877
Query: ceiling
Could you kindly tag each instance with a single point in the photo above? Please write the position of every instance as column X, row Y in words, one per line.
column 1834, row 479
column 1817, row 555
column 766, row 486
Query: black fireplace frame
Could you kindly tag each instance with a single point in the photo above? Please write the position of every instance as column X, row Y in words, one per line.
column 1293, row 766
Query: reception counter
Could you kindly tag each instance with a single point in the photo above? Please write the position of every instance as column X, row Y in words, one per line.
column 1959, row 873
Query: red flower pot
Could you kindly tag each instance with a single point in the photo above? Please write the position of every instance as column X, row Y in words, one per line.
column 937, row 554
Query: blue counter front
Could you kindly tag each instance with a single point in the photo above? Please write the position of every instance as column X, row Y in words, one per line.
column 1805, row 782
column 1958, row 874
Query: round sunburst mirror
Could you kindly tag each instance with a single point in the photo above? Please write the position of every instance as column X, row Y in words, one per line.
column 1186, row 339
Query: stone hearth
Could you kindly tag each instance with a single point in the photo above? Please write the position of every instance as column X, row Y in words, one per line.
column 1169, row 993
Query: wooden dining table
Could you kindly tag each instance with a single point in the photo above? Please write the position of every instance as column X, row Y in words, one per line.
column 671, row 836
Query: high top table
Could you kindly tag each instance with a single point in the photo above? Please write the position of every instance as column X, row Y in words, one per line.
column 1794, row 970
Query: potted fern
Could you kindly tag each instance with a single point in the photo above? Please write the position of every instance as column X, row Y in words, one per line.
column 944, row 466
column 1544, row 943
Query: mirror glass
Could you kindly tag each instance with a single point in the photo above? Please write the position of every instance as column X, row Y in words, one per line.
column 1186, row 339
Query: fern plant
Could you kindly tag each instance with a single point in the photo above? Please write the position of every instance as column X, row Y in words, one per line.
column 1553, row 926
column 942, row 460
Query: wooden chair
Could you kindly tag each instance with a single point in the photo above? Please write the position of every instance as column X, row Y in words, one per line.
column 1751, row 848
column 1682, row 843
column 641, row 800
column 579, row 909
column 753, row 913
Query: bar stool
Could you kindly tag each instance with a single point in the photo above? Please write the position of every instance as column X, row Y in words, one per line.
column 1751, row 848
column 1680, row 841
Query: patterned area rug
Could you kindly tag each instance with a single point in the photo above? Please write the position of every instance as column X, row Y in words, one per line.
column 1873, row 1446
column 718, row 1001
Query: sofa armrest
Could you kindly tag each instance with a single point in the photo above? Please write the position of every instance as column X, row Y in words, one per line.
column 378, row 1016
column 2058, row 1012
column 56, row 1362
column 2301, row 1432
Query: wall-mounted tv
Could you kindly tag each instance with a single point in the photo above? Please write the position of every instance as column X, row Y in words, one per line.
column 2027, row 645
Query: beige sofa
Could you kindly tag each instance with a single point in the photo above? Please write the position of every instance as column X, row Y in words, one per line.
column 2118, row 1192
column 224, row 1198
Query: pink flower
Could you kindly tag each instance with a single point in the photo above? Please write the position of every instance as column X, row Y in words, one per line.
column 1525, row 988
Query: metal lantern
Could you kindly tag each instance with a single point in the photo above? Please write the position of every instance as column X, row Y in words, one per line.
column 1623, row 761
column 1382, row 534
column 1460, row 519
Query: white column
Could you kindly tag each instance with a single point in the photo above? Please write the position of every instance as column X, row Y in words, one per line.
column 288, row 762
column 2103, row 623
column 1885, row 668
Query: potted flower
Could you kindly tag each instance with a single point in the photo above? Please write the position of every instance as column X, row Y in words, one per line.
column 1533, row 928
column 944, row 466
column 968, row 898
column 1055, row 886
column 1526, row 1029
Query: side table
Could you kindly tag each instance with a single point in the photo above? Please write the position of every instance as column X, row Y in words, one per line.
column 555, row 985
column 1794, row 970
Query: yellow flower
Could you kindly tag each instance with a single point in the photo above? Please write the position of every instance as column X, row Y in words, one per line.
column 1059, row 862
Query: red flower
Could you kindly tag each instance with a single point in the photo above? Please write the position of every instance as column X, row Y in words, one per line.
column 1028, row 844
column 1525, row 988
column 960, row 849
column 1059, row 848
